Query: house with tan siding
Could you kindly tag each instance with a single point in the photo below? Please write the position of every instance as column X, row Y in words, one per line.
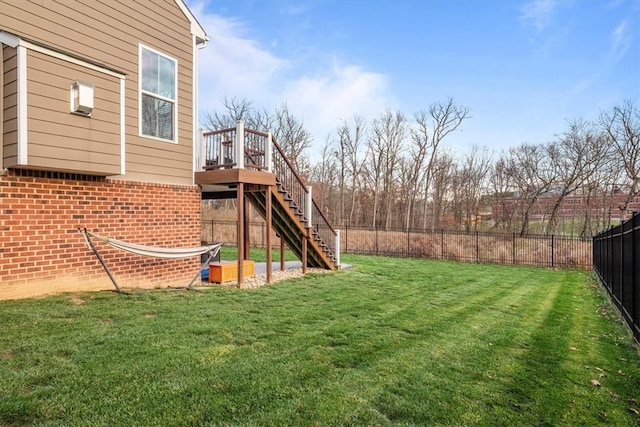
column 98, row 129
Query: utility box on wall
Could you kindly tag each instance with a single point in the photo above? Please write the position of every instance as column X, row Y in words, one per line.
column 82, row 98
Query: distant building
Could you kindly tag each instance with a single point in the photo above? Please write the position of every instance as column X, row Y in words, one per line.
column 574, row 206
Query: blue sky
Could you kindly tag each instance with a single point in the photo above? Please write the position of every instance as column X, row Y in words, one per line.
column 523, row 67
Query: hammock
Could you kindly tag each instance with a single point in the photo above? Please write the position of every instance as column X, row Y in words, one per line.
column 149, row 251
column 155, row 251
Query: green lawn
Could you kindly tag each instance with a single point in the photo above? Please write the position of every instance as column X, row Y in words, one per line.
column 228, row 253
column 388, row 342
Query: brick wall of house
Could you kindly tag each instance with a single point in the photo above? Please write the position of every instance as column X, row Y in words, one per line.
column 42, row 251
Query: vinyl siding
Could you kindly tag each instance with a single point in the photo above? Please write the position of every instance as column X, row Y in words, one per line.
column 9, row 107
column 64, row 141
column 1, row 109
column 109, row 33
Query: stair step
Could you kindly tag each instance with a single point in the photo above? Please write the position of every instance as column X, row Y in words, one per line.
column 293, row 228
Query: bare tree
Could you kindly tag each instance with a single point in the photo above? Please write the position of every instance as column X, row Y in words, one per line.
column 622, row 127
column 239, row 109
column 475, row 167
column 528, row 166
column 421, row 144
column 293, row 138
column 443, row 170
column 575, row 155
column 323, row 175
column 501, row 184
column 373, row 172
column 389, row 131
column 443, row 118
column 350, row 138
column 597, row 192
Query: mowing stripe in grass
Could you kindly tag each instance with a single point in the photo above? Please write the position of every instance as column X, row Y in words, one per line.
column 477, row 339
column 391, row 341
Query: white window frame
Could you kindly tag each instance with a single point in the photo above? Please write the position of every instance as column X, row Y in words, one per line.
column 141, row 92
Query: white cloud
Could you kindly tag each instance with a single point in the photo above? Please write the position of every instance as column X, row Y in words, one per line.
column 338, row 94
column 538, row 13
column 234, row 65
column 620, row 40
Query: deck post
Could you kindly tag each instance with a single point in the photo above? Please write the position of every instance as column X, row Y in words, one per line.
column 268, row 152
column 247, row 229
column 305, row 238
column 239, row 144
column 308, row 206
column 282, row 260
column 268, row 220
column 240, row 234
column 337, row 246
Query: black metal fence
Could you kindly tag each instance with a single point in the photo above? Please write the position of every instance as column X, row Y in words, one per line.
column 495, row 248
column 616, row 261
column 481, row 247
column 225, row 232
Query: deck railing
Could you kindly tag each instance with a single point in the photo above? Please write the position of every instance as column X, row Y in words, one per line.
column 235, row 148
column 250, row 149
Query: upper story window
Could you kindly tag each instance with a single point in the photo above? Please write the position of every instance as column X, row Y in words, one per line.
column 158, row 81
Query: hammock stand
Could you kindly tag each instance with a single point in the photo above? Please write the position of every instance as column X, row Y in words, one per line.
column 149, row 251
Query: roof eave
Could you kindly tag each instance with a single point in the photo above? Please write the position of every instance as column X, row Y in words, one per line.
column 196, row 28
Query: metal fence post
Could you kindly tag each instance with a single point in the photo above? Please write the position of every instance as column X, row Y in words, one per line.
column 635, row 280
column 346, row 238
column 408, row 244
column 552, row 260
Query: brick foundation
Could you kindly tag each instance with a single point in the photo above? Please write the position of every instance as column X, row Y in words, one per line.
column 42, row 251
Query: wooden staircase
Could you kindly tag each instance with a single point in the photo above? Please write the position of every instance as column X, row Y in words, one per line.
column 256, row 161
column 290, row 223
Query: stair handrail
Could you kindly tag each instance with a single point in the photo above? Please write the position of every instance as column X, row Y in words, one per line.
column 317, row 213
column 300, row 197
column 221, row 150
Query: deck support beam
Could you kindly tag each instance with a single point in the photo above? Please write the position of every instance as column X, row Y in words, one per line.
column 247, row 225
column 268, row 219
column 305, row 239
column 241, row 228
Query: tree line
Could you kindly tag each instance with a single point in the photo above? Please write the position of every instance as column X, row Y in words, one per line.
column 397, row 172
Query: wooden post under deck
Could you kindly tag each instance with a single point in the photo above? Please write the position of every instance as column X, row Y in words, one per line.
column 268, row 237
column 244, row 185
column 247, row 225
column 282, row 266
column 304, row 251
column 241, row 242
